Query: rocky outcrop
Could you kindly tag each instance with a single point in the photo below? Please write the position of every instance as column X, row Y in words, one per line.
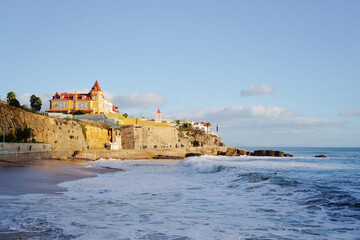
column 320, row 156
column 234, row 152
column 270, row 153
column 197, row 138
column 258, row 153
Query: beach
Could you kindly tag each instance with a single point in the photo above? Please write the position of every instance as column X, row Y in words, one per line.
column 42, row 176
column 39, row 177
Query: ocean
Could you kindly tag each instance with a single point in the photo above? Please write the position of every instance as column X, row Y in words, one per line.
column 204, row 197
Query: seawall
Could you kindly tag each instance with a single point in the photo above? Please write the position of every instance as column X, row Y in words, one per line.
column 94, row 154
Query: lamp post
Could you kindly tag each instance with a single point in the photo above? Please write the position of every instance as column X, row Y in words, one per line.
column 30, row 140
column 4, row 130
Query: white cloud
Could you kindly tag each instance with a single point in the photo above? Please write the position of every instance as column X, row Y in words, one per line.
column 254, row 90
column 255, row 115
column 350, row 112
column 139, row 100
column 260, row 125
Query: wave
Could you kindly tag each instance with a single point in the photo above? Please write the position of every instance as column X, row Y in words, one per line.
column 210, row 164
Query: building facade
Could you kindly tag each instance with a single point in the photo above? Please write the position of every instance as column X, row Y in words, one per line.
column 94, row 102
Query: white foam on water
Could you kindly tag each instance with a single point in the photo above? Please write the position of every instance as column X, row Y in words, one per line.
column 169, row 200
column 211, row 163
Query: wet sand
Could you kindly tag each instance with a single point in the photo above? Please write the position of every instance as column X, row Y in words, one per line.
column 39, row 176
column 42, row 176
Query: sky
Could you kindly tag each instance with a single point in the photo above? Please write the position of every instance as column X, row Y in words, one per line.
column 268, row 73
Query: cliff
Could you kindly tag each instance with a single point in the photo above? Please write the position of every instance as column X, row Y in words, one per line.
column 194, row 138
column 60, row 133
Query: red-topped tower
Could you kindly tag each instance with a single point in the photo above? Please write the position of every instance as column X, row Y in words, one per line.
column 96, row 87
column 158, row 115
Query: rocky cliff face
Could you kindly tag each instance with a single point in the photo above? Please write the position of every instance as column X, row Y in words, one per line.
column 60, row 133
column 196, row 138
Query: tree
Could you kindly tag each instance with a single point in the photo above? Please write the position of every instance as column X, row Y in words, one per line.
column 35, row 102
column 24, row 134
column 15, row 103
column 11, row 95
column 125, row 115
column 177, row 122
column 207, row 126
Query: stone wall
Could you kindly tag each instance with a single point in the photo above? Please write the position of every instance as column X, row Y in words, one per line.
column 148, row 137
column 24, row 146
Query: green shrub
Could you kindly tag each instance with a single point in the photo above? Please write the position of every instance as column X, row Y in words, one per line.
column 83, row 130
column 79, row 112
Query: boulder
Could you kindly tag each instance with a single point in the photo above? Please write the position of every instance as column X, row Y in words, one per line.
column 320, row 156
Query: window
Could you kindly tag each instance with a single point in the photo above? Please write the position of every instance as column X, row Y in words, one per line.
column 83, row 97
column 94, row 97
column 66, row 105
column 61, row 97
column 74, row 97
column 55, row 105
column 87, row 105
column 73, row 105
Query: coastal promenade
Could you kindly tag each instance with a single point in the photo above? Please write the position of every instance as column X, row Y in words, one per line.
column 94, row 154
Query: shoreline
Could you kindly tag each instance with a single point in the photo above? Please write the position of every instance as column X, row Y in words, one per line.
column 42, row 176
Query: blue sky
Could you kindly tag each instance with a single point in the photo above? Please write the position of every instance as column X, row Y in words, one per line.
column 269, row 73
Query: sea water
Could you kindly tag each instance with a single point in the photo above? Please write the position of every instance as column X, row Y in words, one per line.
column 203, row 197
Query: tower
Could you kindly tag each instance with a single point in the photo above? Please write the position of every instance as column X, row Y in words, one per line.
column 158, row 115
column 96, row 97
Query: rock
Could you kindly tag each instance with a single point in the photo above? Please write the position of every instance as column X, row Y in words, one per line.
column 270, row 153
column 320, row 156
column 166, row 157
column 193, row 154
column 221, row 153
column 230, row 151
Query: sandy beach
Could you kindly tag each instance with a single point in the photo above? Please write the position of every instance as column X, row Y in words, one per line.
column 42, row 176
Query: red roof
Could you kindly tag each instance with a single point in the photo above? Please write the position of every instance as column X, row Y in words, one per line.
column 158, row 111
column 96, row 87
column 70, row 96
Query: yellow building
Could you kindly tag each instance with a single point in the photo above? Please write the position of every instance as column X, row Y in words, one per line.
column 93, row 102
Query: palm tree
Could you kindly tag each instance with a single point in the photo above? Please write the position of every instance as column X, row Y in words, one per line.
column 35, row 102
column 207, row 126
column 10, row 96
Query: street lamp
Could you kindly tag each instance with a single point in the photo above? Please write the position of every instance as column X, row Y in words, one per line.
column 4, row 130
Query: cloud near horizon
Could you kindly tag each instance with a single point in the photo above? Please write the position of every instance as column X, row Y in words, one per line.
column 350, row 113
column 254, row 90
column 260, row 125
column 252, row 115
